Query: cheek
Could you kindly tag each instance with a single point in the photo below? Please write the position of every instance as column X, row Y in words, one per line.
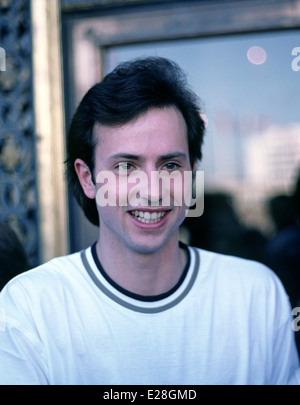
column 106, row 189
column 188, row 188
column 117, row 191
column 121, row 191
column 109, row 218
column 132, row 190
column 177, row 188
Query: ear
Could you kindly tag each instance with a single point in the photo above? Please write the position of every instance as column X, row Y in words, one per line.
column 85, row 178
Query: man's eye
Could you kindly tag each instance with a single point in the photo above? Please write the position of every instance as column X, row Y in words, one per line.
column 171, row 166
column 124, row 166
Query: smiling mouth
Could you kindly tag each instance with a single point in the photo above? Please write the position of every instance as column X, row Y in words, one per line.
column 148, row 217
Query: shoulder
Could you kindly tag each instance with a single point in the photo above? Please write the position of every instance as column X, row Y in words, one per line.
column 238, row 272
column 239, row 285
column 51, row 273
column 230, row 264
column 38, row 294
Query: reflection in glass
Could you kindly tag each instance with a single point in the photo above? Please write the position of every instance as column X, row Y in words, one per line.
column 251, row 98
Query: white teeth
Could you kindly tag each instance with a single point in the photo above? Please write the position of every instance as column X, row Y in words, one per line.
column 148, row 217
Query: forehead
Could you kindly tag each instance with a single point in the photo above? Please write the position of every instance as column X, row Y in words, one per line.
column 156, row 131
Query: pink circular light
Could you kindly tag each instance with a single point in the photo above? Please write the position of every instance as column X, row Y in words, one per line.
column 256, row 55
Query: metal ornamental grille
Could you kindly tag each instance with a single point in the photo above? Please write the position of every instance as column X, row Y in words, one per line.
column 18, row 193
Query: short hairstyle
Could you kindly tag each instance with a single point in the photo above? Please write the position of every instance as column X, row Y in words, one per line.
column 130, row 90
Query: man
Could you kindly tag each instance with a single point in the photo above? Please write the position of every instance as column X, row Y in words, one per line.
column 138, row 307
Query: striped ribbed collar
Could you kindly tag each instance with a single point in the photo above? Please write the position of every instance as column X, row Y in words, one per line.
column 135, row 302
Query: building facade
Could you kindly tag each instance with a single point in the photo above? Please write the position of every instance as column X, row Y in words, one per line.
column 54, row 50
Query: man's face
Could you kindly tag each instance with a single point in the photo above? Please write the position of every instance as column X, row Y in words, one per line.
column 154, row 142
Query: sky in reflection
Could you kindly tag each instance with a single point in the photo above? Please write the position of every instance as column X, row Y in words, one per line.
column 251, row 97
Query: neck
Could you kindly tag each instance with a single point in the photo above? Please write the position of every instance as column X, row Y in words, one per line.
column 143, row 273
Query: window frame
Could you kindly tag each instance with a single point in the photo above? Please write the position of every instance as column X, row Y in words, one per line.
column 87, row 36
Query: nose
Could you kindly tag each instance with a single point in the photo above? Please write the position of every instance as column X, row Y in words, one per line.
column 154, row 188
column 147, row 190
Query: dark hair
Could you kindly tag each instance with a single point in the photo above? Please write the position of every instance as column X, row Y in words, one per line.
column 13, row 259
column 129, row 90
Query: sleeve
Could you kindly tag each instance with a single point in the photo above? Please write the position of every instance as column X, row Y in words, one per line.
column 295, row 379
column 22, row 361
column 285, row 355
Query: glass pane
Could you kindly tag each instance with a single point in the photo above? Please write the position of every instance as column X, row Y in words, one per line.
column 251, row 98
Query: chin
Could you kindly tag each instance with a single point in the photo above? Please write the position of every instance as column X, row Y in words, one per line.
column 148, row 246
column 146, row 249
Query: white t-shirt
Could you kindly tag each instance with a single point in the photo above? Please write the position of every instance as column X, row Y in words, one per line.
column 228, row 321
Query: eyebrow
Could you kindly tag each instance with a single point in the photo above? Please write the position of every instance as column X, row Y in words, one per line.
column 130, row 156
